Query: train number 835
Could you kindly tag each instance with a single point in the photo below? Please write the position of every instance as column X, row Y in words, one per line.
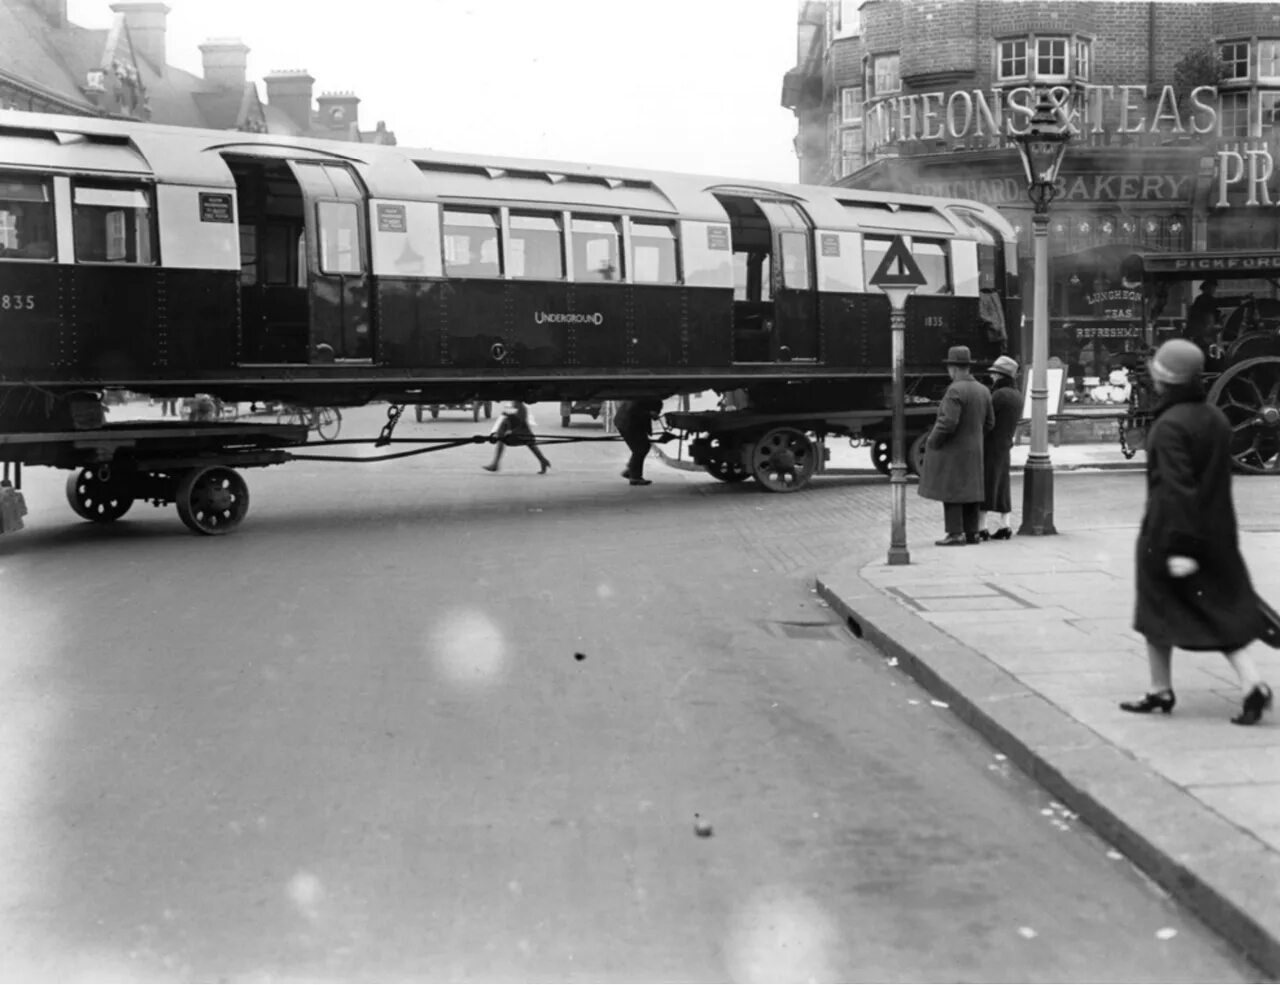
column 17, row 302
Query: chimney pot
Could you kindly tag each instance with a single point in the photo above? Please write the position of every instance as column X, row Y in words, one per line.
column 145, row 21
column 226, row 62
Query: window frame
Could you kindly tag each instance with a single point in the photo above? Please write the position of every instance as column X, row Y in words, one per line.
column 1269, row 78
column 1065, row 41
column 45, row 183
column 494, row 214
column 1013, row 59
column 619, row 247
column 145, row 233
column 1240, row 112
column 1236, row 60
column 673, row 229
column 851, row 95
column 558, row 218
column 360, row 262
column 885, row 58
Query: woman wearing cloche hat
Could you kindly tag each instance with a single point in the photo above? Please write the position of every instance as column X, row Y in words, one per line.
column 1006, row 403
column 1193, row 589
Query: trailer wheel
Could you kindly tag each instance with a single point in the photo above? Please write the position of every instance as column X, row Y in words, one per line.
column 728, row 469
column 915, row 456
column 95, row 499
column 782, row 460
column 882, row 456
column 212, row 500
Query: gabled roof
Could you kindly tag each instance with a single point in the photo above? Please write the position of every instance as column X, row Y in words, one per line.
column 45, row 58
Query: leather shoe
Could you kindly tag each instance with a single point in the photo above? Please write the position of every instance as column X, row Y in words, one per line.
column 1256, row 702
column 952, row 540
column 983, row 535
column 642, row 482
column 1004, row 533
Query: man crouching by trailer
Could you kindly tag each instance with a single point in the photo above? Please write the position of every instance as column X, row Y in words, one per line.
column 633, row 419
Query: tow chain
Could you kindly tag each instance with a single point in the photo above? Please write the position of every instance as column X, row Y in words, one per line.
column 393, row 418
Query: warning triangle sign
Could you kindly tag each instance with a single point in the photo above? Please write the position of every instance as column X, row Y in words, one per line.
column 898, row 268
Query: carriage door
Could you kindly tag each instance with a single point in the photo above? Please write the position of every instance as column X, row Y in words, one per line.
column 337, row 254
column 795, row 303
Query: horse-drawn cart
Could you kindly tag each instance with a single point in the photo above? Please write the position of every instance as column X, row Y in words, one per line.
column 1242, row 364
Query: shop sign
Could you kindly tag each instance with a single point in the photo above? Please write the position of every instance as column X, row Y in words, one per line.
column 1086, row 108
column 1093, row 188
column 1121, row 303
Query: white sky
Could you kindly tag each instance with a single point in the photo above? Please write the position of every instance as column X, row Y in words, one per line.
column 680, row 85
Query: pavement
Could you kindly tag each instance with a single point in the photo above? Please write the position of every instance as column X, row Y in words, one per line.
column 1029, row 640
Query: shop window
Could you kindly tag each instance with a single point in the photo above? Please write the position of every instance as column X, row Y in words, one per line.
column 851, row 106
column 934, row 259
column 653, row 252
column 1235, row 58
column 470, row 244
column 26, row 219
column 1051, row 59
column 597, row 252
column 885, row 75
column 1013, row 59
column 537, row 249
column 112, row 224
column 339, row 237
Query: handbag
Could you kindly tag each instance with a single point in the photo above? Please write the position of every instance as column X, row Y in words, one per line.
column 1270, row 634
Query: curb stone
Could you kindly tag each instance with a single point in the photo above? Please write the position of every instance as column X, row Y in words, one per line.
column 1225, row 876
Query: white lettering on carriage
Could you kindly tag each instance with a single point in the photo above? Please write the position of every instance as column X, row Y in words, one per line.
column 563, row 318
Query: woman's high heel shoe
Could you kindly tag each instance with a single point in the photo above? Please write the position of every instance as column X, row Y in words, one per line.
column 1256, row 702
column 1152, row 701
column 1004, row 533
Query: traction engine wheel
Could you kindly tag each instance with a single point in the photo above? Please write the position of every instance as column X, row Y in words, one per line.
column 212, row 500
column 97, row 499
column 782, row 460
column 1249, row 394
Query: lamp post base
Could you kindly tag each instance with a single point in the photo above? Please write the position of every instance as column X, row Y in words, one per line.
column 1037, row 497
column 898, row 553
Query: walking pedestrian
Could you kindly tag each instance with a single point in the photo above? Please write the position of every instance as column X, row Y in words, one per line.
column 1006, row 405
column 512, row 428
column 952, row 470
column 634, row 419
column 1193, row 588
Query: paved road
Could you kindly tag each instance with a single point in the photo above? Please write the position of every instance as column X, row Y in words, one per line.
column 414, row 721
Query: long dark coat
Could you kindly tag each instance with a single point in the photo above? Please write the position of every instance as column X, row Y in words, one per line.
column 953, row 451
column 1190, row 512
column 1006, row 403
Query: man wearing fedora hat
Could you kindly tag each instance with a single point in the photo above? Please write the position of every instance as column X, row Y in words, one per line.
column 1006, row 403
column 952, row 470
column 1193, row 588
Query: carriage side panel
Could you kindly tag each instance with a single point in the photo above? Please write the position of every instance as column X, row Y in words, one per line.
column 707, row 327
column 655, row 339
column 32, row 340
column 411, row 325
column 117, row 314
column 201, row 319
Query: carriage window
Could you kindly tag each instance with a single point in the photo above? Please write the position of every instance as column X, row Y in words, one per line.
column 471, row 244
column 536, row 247
column 339, row 237
column 874, row 249
column 795, row 260
column 112, row 225
column 248, row 255
column 26, row 219
column 596, row 250
column 653, row 251
column 935, row 263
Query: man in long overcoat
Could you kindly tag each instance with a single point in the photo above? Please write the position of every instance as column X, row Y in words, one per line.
column 634, row 421
column 1193, row 588
column 1006, row 402
column 952, row 471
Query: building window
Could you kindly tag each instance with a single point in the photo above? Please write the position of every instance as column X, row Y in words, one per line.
column 1084, row 54
column 1268, row 110
column 1233, row 114
column 851, row 106
column 1269, row 61
column 112, row 224
column 848, row 18
column 537, row 250
column 653, row 252
column 1051, row 58
column 1013, row 59
column 470, row 244
column 850, row 150
column 26, row 219
column 1235, row 56
column 884, row 75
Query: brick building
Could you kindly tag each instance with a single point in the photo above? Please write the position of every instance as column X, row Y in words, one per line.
column 50, row 65
column 916, row 95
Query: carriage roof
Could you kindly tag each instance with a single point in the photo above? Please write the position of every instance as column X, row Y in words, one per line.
column 184, row 155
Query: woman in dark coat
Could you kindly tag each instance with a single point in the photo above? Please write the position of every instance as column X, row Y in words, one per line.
column 1006, row 403
column 513, row 429
column 1193, row 589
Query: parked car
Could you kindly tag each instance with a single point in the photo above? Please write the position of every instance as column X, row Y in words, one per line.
column 474, row 406
column 568, row 407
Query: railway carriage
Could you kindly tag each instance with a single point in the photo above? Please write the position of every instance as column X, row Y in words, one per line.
column 170, row 261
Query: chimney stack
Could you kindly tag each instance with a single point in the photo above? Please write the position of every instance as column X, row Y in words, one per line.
column 226, row 62
column 339, row 111
column 145, row 21
column 290, row 92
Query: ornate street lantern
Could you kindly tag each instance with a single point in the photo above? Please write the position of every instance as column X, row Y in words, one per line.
column 1042, row 147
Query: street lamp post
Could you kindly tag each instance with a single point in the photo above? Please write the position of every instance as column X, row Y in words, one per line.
column 1041, row 146
column 898, row 552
